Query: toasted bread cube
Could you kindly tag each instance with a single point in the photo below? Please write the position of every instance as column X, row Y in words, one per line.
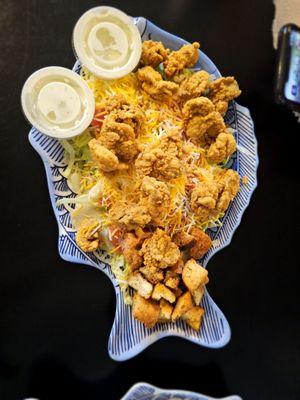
column 165, row 311
column 172, row 280
column 198, row 294
column 183, row 240
column 184, row 304
column 178, row 267
column 146, row 311
column 194, row 275
column 193, row 317
column 178, row 292
column 141, row 285
column 152, row 274
column 160, row 291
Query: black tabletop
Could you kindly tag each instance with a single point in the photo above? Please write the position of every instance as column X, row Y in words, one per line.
column 55, row 317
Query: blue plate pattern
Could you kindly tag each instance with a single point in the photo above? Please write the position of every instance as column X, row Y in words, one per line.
column 128, row 336
column 144, row 391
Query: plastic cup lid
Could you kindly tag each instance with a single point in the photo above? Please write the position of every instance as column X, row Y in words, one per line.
column 58, row 102
column 107, row 42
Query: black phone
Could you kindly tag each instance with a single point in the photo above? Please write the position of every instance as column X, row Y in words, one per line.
column 287, row 83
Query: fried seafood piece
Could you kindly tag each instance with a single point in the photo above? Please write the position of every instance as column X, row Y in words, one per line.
column 146, row 311
column 194, row 85
column 162, row 160
column 194, row 275
column 222, row 90
column 166, row 310
column 119, row 138
column 131, row 115
column 211, row 198
column 106, row 160
column 129, row 216
column 204, row 200
column 153, row 84
column 201, row 245
column 159, row 251
column 116, row 102
column 130, row 250
column 223, row 147
column 153, row 53
column 229, row 185
column 140, row 284
column 203, row 124
column 161, row 291
column 152, row 274
column 185, row 57
column 193, row 317
column 156, row 197
column 88, row 237
column 184, row 303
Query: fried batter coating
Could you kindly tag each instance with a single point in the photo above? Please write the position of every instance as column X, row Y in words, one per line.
column 201, row 106
column 120, row 139
column 211, row 198
column 146, row 311
column 153, row 53
column 129, row 216
column 229, row 185
column 106, row 160
column 162, row 161
column 130, row 251
column 131, row 115
column 156, row 197
column 194, row 85
column 185, row 57
column 203, row 124
column 204, row 200
column 193, row 317
column 159, row 251
column 222, row 148
column 87, row 236
column 223, row 90
column 154, row 85
column 115, row 102
column 202, row 243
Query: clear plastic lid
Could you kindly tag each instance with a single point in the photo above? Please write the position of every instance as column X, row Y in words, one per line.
column 107, row 42
column 58, row 102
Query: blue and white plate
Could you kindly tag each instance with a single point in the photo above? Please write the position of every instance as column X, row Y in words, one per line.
column 128, row 336
column 144, row 391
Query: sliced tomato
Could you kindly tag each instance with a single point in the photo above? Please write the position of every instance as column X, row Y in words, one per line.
column 116, row 236
column 98, row 118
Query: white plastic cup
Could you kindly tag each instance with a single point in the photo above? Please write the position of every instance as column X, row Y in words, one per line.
column 58, row 102
column 107, row 42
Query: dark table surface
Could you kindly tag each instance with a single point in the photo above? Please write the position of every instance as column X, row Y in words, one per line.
column 55, row 317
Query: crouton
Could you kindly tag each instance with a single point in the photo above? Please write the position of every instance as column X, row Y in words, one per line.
column 184, row 304
column 172, row 280
column 165, row 311
column 178, row 292
column 201, row 245
column 160, row 291
column 194, row 275
column 183, row 240
column 198, row 294
column 141, row 285
column 146, row 311
column 193, row 317
column 178, row 267
column 153, row 274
